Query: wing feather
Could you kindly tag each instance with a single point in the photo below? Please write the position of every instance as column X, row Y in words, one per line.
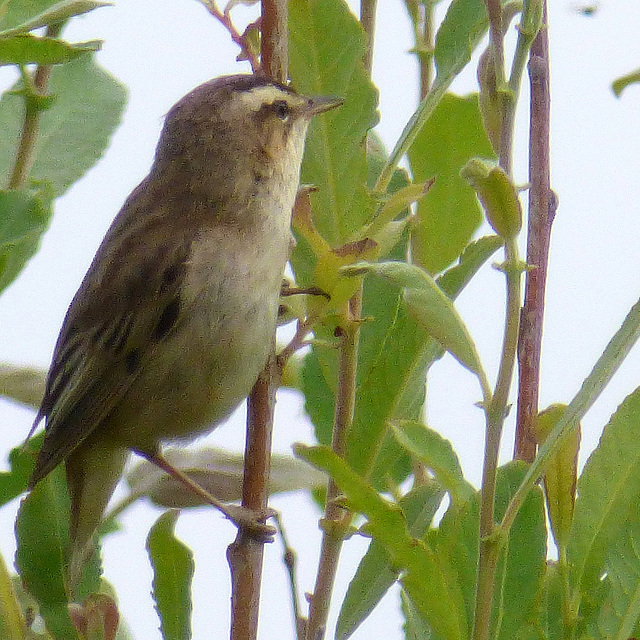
column 126, row 306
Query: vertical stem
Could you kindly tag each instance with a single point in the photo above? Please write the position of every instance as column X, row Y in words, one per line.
column 542, row 206
column 245, row 554
column 425, row 48
column 31, row 124
column 337, row 518
column 494, row 9
column 490, row 542
column 368, row 21
column 275, row 39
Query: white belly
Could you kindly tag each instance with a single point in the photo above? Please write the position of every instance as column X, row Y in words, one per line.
column 208, row 365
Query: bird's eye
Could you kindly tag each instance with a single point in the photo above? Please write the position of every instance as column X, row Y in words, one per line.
column 281, row 109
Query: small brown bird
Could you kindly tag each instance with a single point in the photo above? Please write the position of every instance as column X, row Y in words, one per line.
column 175, row 317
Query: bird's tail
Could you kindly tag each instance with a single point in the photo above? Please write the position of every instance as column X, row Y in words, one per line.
column 93, row 470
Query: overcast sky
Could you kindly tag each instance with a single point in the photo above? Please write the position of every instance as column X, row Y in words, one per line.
column 161, row 49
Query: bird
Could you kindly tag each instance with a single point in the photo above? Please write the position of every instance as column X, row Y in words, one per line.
column 175, row 317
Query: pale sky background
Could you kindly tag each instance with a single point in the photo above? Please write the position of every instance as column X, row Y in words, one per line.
column 161, row 49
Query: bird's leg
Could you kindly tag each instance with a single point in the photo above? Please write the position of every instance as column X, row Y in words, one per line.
column 252, row 522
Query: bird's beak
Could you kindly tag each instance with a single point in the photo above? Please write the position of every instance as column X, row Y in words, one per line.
column 321, row 104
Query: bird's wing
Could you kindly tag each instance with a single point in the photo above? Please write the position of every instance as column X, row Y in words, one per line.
column 127, row 305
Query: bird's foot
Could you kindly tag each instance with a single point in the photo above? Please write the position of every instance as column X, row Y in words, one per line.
column 251, row 522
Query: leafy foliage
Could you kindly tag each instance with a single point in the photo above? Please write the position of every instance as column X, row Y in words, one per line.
column 399, row 227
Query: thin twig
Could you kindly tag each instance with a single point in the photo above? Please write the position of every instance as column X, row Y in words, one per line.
column 289, row 559
column 31, row 125
column 542, row 205
column 236, row 36
column 298, row 341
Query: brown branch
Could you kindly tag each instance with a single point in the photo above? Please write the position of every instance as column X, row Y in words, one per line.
column 542, row 206
column 245, row 554
column 275, row 39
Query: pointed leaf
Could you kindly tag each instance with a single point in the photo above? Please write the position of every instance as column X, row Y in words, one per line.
column 450, row 213
column 521, row 566
column 42, row 532
column 28, row 49
column 326, row 51
column 21, row 461
column 395, row 353
column 22, row 384
column 437, row 454
column 75, row 131
column 172, row 576
column 54, row 14
column 462, row 29
column 616, row 616
column 430, row 586
column 375, row 575
column 415, row 628
column 561, row 474
column 220, row 473
column 24, row 217
column 430, row 306
column 608, row 487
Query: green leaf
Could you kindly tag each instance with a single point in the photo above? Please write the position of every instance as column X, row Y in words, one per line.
column 28, row 49
column 428, row 582
column 521, row 566
column 437, row 454
column 20, row 12
column 613, row 356
column 607, row 489
column 375, row 575
column 619, row 85
column 42, row 532
column 429, row 305
column 498, row 195
column 326, row 49
column 415, row 628
column 459, row 34
column 173, row 572
column 74, row 132
column 561, row 474
column 24, row 217
column 54, row 14
column 21, row 461
column 449, row 214
column 395, row 353
column 551, row 619
column 454, row 279
column 617, row 615
column 12, row 624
